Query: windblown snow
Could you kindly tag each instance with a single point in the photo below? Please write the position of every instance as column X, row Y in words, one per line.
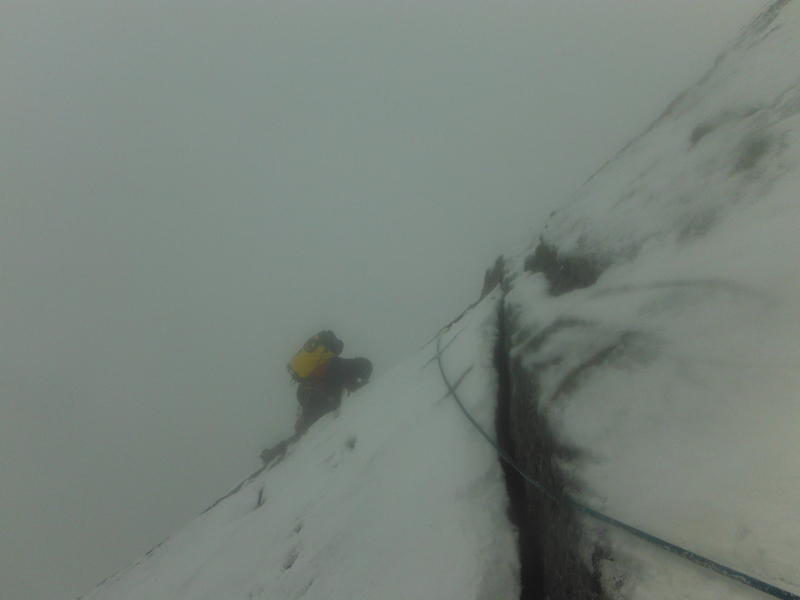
column 658, row 314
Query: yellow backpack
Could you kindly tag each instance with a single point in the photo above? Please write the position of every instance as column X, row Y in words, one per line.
column 317, row 351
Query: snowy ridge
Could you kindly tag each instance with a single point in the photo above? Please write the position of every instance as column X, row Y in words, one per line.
column 719, row 146
column 396, row 497
column 652, row 331
column 672, row 371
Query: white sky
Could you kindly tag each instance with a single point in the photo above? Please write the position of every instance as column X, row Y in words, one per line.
column 190, row 189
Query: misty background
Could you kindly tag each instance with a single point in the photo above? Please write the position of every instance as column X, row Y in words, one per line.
column 188, row 190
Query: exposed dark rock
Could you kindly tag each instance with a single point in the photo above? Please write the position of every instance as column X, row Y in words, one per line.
column 554, row 527
column 494, row 276
column 564, row 272
column 702, row 130
column 550, row 534
column 724, row 118
column 558, row 562
column 530, row 551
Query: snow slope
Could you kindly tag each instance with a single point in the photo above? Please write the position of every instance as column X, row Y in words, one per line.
column 656, row 321
column 396, row 497
column 672, row 369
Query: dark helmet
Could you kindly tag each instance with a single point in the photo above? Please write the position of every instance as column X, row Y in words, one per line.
column 357, row 372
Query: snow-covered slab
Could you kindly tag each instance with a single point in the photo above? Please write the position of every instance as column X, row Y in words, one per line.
column 397, row 497
column 675, row 375
column 723, row 144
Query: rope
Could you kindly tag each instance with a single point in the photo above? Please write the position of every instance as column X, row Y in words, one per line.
column 697, row 559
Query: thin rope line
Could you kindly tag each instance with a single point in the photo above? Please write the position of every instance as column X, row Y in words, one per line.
column 747, row 580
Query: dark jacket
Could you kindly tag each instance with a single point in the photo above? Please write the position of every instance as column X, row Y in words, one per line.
column 322, row 392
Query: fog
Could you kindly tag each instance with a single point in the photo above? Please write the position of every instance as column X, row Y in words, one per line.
column 188, row 190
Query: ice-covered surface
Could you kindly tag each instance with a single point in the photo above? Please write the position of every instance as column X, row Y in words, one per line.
column 677, row 374
column 396, row 497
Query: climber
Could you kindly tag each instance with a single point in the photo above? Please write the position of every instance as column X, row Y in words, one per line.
column 323, row 377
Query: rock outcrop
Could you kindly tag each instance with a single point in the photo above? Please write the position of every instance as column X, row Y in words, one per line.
column 651, row 348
